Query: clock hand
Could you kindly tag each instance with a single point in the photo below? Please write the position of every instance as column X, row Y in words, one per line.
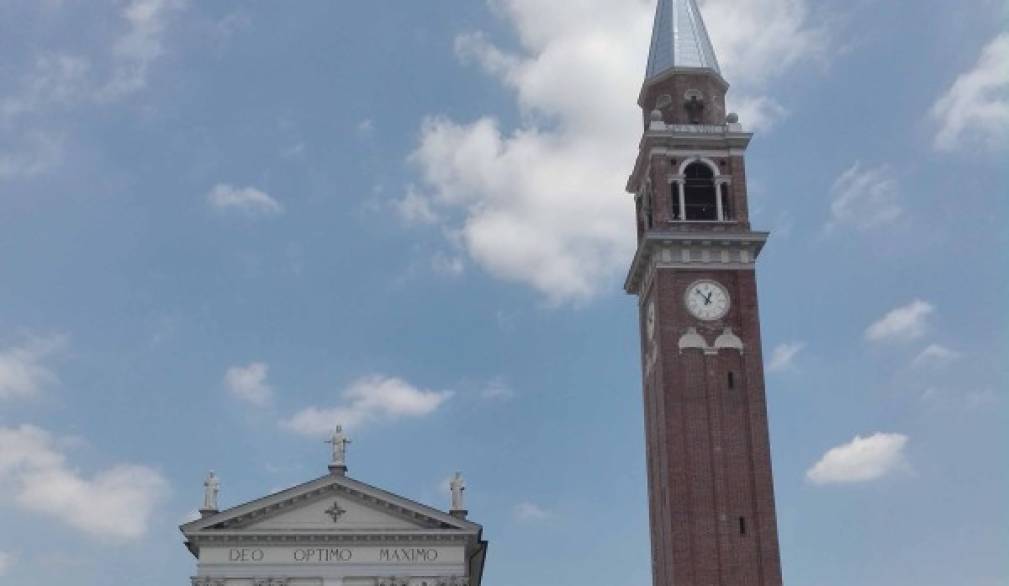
column 707, row 300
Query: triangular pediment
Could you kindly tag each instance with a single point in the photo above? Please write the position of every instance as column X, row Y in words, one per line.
column 335, row 511
column 332, row 504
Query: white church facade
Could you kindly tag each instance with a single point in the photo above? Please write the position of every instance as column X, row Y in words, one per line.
column 335, row 531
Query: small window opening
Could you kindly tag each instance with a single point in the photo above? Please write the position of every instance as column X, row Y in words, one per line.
column 742, row 525
column 699, row 193
column 649, row 209
column 726, row 202
column 732, row 380
column 641, row 218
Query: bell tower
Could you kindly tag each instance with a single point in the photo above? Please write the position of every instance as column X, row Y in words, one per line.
column 711, row 494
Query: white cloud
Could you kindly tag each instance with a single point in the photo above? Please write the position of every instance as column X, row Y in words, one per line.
column 67, row 79
column 447, row 264
column 6, row 562
column 63, row 79
column 31, row 155
column 955, row 399
column 861, row 460
column 56, row 78
column 935, row 355
column 366, row 128
column 907, row 322
column 249, row 383
column 23, row 372
column 529, row 512
column 371, row 398
column 975, row 109
column 758, row 40
column 865, row 198
column 980, row 398
column 759, row 113
column 414, row 208
column 498, row 390
column 544, row 204
column 116, row 503
column 247, row 199
column 140, row 46
column 783, row 356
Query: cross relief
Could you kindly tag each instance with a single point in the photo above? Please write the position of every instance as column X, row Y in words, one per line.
column 336, row 511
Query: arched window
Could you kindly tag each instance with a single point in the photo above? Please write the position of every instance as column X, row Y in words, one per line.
column 699, row 193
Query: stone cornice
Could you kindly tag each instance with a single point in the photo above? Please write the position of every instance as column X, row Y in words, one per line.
column 692, row 250
column 357, row 537
column 232, row 525
column 332, row 485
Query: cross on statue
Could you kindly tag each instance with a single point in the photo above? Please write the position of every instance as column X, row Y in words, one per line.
column 695, row 109
column 339, row 441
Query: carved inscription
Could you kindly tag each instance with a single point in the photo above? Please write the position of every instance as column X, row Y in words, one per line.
column 246, row 555
column 333, row 555
column 408, row 554
column 323, row 554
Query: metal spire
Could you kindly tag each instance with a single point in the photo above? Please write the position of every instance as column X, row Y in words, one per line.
column 679, row 39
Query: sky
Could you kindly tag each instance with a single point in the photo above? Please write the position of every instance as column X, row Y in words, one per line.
column 225, row 227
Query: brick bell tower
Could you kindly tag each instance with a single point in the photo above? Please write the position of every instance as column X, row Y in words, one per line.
column 711, row 495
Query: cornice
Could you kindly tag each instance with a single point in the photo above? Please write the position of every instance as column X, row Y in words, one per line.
column 692, row 251
column 316, row 537
column 262, row 513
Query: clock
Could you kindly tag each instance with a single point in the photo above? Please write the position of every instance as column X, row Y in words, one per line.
column 707, row 300
column 650, row 320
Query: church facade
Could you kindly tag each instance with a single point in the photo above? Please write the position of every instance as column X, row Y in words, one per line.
column 335, row 531
column 711, row 496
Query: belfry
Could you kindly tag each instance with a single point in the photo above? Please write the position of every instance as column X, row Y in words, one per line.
column 711, row 494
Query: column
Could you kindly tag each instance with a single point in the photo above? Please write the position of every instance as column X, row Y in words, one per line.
column 681, row 193
column 719, row 206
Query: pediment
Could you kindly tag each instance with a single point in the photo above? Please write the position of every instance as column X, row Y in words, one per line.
column 332, row 504
column 334, row 511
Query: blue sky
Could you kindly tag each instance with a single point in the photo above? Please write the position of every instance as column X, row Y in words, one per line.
column 224, row 227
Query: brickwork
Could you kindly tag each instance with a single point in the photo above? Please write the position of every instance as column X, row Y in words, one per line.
column 710, row 485
column 664, row 192
column 676, row 86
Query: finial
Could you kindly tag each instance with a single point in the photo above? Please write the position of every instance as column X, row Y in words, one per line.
column 458, row 486
column 655, row 121
column 339, row 441
column 211, row 489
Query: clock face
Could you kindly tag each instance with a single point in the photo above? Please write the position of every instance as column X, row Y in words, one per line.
column 650, row 320
column 707, row 300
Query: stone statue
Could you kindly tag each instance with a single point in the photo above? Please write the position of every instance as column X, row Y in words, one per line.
column 339, row 441
column 695, row 109
column 458, row 486
column 211, row 488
